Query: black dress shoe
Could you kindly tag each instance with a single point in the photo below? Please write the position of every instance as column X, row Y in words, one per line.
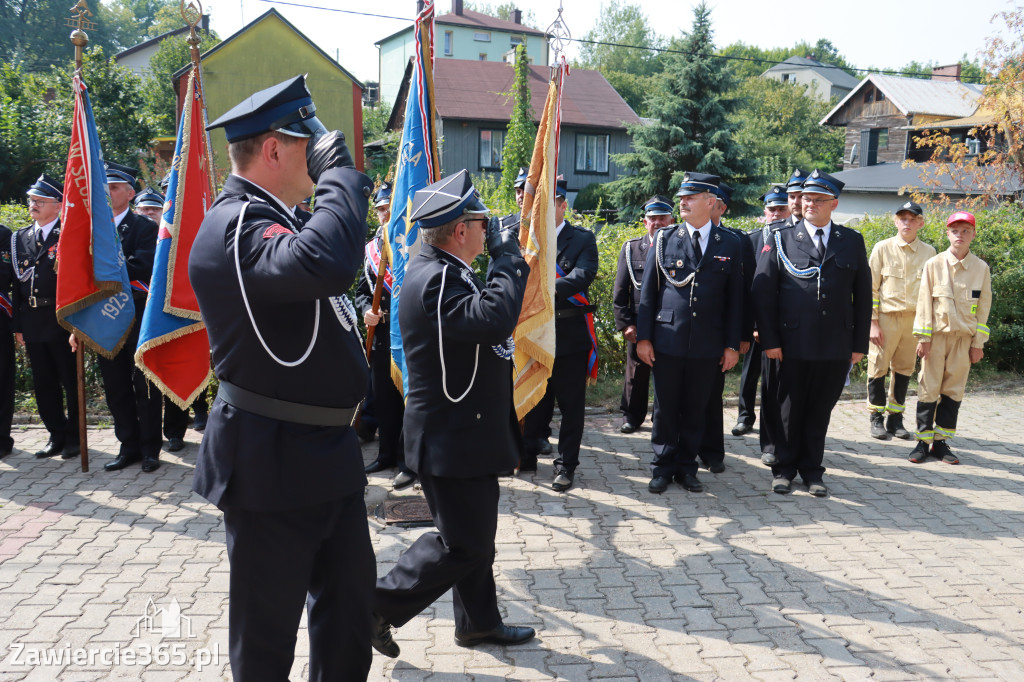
column 5, row 451
column 742, row 428
column 690, row 482
column 528, row 463
column 120, row 462
column 545, row 448
column 503, row 634
column 51, row 449
column 71, row 450
column 175, row 444
column 199, row 423
column 403, row 480
column 627, row 427
column 563, row 481
column 782, row 485
column 150, row 464
column 375, row 466
column 659, row 484
column 381, row 639
column 817, row 488
column 769, row 459
column 716, row 468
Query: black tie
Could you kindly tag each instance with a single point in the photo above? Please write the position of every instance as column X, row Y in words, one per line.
column 820, row 234
column 698, row 254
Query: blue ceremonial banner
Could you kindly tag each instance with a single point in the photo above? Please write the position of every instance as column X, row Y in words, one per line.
column 417, row 167
column 94, row 298
column 174, row 350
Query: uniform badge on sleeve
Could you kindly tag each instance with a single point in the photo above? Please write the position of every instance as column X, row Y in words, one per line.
column 766, row 248
column 275, row 230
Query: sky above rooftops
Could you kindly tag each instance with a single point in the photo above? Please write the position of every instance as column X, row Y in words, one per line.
column 878, row 33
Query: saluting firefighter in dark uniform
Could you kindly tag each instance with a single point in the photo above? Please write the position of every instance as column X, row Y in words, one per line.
column 812, row 295
column 461, row 430
column 712, row 446
column 689, row 327
column 629, row 274
column 135, row 402
column 388, row 404
column 279, row 455
column 34, row 300
column 512, row 220
column 575, row 349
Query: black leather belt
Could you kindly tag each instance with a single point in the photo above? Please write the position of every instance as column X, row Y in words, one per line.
column 36, row 302
column 575, row 311
column 284, row 410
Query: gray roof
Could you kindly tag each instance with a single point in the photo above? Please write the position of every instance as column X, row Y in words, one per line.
column 832, row 74
column 921, row 96
column 890, row 177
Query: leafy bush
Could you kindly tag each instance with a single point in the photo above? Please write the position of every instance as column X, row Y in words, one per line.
column 591, row 197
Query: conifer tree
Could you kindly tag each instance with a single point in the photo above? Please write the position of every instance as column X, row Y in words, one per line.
column 691, row 128
column 519, row 138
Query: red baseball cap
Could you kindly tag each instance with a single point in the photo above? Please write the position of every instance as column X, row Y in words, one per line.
column 961, row 217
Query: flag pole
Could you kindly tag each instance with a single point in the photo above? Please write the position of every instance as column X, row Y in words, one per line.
column 80, row 39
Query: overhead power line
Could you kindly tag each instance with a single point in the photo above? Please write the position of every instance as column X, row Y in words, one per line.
column 665, row 50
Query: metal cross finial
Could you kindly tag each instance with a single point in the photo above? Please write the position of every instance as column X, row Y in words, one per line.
column 558, row 34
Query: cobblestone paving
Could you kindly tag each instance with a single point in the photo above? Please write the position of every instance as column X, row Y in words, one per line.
column 905, row 572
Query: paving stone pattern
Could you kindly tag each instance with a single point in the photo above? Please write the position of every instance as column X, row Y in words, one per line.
column 905, row 572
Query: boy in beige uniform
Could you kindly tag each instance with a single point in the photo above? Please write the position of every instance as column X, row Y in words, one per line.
column 896, row 265
column 952, row 312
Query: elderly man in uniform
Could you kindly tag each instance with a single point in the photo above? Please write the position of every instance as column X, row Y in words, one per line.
column 689, row 327
column 150, row 203
column 712, row 446
column 629, row 273
column 575, row 268
column 812, row 295
column 460, row 423
column 279, row 456
column 134, row 402
column 388, row 404
column 34, row 304
column 776, row 208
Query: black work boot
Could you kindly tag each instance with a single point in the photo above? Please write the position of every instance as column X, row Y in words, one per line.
column 920, row 452
column 894, row 425
column 878, row 427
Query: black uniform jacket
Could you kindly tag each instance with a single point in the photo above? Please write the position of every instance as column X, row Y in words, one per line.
column 138, row 242
column 478, row 435
column 6, row 276
column 364, row 302
column 697, row 324
column 253, row 461
column 625, row 295
column 792, row 315
column 37, row 324
column 577, row 256
column 749, row 267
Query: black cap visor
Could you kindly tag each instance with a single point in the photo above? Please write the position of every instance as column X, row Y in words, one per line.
column 300, row 123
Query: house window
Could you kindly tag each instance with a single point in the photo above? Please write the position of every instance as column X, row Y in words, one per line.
column 482, row 36
column 491, row 144
column 516, row 40
column 483, row 56
column 591, row 153
column 869, row 95
column 883, row 138
column 879, row 96
column 785, row 78
column 449, row 41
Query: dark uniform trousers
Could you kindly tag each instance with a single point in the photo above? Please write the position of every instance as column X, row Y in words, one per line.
column 748, row 385
column 818, row 324
column 578, row 258
column 636, row 387
column 459, row 557
column 176, row 419
column 771, row 421
column 46, row 342
column 673, row 318
column 7, row 372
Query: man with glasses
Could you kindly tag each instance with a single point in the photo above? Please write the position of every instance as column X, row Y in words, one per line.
column 812, row 293
column 460, row 424
column 34, row 302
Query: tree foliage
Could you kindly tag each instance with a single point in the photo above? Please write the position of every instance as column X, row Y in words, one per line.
column 692, row 128
column 161, row 98
column 778, row 126
column 747, row 61
column 631, row 71
column 522, row 133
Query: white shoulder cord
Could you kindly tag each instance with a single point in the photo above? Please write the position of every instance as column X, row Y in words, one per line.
column 629, row 265
column 248, row 309
column 661, row 266
column 440, row 346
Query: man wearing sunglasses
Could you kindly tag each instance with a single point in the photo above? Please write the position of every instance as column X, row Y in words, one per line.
column 279, row 456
